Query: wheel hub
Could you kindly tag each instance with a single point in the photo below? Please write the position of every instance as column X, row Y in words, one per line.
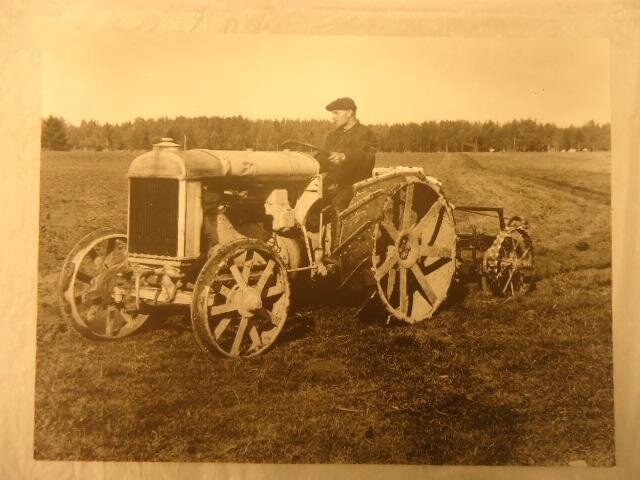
column 408, row 247
column 249, row 301
column 515, row 262
column 102, row 288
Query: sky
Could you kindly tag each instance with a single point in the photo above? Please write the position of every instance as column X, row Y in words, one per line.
column 115, row 77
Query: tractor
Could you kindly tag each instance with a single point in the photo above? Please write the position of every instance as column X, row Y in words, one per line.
column 226, row 234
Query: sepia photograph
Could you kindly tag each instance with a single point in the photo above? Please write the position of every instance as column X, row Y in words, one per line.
column 305, row 249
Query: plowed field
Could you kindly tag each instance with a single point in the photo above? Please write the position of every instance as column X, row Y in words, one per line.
column 485, row 382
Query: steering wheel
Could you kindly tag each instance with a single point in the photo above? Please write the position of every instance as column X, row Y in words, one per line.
column 288, row 143
column 321, row 155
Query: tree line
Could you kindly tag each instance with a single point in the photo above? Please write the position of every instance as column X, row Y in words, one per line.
column 239, row 133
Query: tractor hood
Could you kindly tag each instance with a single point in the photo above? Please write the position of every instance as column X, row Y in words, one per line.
column 167, row 161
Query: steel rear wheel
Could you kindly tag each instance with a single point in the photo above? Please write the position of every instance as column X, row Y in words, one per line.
column 90, row 275
column 414, row 257
column 240, row 300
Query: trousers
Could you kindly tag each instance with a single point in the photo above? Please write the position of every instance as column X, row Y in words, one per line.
column 342, row 197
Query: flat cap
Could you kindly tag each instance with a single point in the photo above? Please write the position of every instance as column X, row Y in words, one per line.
column 344, row 103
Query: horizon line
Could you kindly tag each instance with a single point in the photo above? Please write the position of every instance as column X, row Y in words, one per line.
column 324, row 120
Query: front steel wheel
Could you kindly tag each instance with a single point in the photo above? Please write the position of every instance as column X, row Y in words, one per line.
column 240, row 300
column 93, row 272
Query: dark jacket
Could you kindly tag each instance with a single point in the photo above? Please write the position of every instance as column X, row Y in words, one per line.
column 359, row 144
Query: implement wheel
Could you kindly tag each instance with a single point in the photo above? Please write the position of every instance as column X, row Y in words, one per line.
column 508, row 264
column 241, row 299
column 414, row 257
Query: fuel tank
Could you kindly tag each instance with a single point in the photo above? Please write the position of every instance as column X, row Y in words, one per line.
column 167, row 160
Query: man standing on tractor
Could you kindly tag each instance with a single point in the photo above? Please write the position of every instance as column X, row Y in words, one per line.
column 353, row 148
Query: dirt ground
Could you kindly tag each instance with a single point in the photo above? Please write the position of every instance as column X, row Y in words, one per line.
column 484, row 382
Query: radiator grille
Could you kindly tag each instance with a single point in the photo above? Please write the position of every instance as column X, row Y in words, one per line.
column 153, row 216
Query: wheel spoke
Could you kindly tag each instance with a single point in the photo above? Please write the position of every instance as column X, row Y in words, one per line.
column 83, row 277
column 246, row 268
column 432, row 267
column 128, row 318
column 506, row 285
column 240, row 259
column 422, row 224
column 78, row 293
column 225, row 291
column 266, row 274
column 388, row 225
column 404, row 297
column 223, row 309
column 391, row 282
column 256, row 342
column 389, row 262
column 424, row 285
column 516, row 245
column 408, row 202
column 275, row 290
column 266, row 313
column 235, row 348
column 221, row 327
column 238, row 277
column 108, row 324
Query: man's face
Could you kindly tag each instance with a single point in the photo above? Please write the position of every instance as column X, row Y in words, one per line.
column 341, row 117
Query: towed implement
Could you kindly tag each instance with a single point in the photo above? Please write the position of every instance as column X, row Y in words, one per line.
column 226, row 233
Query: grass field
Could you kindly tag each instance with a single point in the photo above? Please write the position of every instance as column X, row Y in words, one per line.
column 485, row 382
